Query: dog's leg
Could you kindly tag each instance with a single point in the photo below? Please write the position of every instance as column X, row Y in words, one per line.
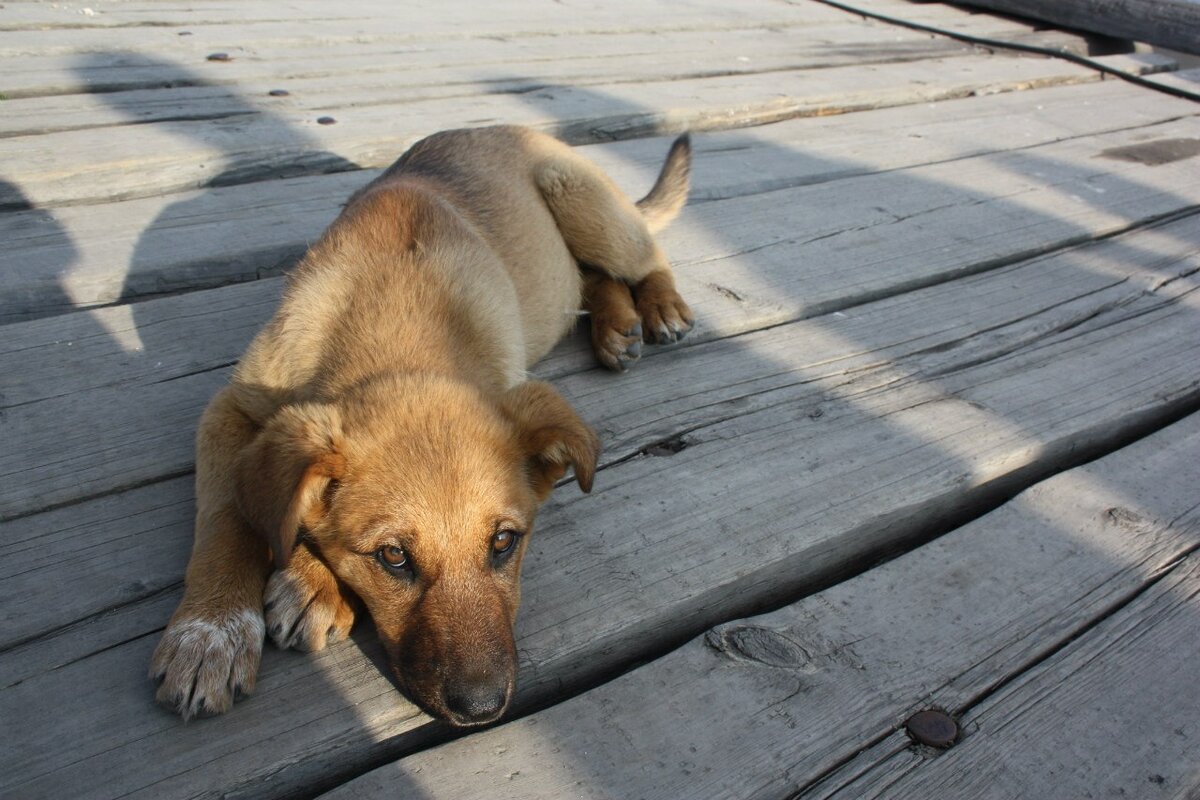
column 603, row 229
column 210, row 650
column 306, row 606
column 616, row 325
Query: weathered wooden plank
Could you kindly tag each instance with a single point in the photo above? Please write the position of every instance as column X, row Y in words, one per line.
column 432, row 64
column 461, row 21
column 444, row 70
column 81, row 256
column 121, row 538
column 762, row 707
column 1167, row 23
column 1113, row 714
column 189, row 154
column 244, row 25
column 1185, row 79
column 738, row 263
column 876, row 447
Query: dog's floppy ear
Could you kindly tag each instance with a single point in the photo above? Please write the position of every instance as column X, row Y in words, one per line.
column 551, row 435
column 283, row 475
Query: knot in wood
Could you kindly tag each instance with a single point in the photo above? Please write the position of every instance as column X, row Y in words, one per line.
column 760, row 645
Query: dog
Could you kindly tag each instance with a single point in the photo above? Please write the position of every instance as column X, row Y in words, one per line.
column 379, row 445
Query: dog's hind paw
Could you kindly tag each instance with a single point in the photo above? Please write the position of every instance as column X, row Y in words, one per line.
column 616, row 348
column 305, row 607
column 666, row 318
column 205, row 661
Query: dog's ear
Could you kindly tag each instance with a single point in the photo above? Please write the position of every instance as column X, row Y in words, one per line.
column 284, row 474
column 551, row 435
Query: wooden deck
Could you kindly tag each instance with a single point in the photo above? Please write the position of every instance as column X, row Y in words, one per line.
column 934, row 284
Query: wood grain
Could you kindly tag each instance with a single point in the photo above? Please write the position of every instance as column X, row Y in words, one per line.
column 1119, row 704
column 511, row 66
column 97, row 254
column 194, row 153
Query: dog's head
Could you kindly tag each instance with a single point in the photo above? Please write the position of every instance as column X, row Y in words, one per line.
column 419, row 493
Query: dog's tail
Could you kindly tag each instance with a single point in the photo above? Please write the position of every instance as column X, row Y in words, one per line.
column 670, row 191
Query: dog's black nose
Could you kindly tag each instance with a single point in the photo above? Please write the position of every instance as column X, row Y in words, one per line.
column 475, row 705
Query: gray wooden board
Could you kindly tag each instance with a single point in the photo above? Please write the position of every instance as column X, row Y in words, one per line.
column 876, row 436
column 1186, row 79
column 579, row 62
column 399, row 24
column 763, row 707
column 453, row 21
column 427, row 19
column 1114, row 714
column 86, row 255
column 1166, row 23
column 738, row 264
column 193, row 153
column 448, row 65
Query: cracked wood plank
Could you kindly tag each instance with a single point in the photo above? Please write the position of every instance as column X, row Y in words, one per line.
column 87, row 255
column 783, row 255
column 190, row 154
column 885, row 422
column 764, row 707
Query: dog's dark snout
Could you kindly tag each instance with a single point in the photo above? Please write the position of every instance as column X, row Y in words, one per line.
column 475, row 704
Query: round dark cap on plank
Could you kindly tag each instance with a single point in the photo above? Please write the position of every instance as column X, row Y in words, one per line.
column 326, row 121
column 932, row 727
column 279, row 93
column 220, row 57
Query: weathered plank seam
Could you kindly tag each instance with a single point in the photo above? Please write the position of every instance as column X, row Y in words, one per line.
column 116, row 490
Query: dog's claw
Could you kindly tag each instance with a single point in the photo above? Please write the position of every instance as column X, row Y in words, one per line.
column 665, row 315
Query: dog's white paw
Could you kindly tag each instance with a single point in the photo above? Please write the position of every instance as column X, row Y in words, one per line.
column 205, row 661
column 305, row 608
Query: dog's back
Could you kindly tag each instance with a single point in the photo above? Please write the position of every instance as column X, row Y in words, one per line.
column 488, row 175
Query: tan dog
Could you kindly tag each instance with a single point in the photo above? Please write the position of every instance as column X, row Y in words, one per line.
column 379, row 441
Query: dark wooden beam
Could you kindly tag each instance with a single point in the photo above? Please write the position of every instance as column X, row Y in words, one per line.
column 1174, row 24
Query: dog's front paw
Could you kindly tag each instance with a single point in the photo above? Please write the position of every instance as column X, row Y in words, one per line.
column 204, row 661
column 306, row 608
column 666, row 318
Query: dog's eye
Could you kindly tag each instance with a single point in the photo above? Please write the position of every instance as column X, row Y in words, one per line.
column 393, row 557
column 503, row 541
